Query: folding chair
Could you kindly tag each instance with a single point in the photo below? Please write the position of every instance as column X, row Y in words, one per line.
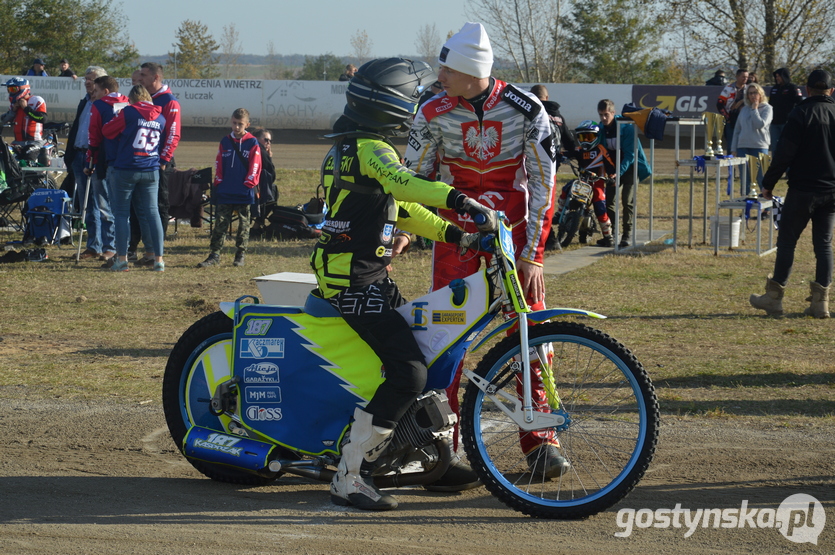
column 186, row 195
column 47, row 214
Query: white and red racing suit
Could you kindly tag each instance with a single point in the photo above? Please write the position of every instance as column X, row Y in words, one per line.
column 28, row 121
column 505, row 159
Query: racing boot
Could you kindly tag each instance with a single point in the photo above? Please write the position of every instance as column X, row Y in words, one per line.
column 772, row 300
column 546, row 462
column 459, row 476
column 819, row 299
column 606, row 230
column 353, row 484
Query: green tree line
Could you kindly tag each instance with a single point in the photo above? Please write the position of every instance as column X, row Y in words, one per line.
column 86, row 32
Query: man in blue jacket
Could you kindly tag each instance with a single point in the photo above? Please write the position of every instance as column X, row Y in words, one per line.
column 608, row 119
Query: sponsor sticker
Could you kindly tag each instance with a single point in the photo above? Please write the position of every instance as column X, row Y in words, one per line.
column 262, row 348
column 264, row 395
column 263, row 414
column 456, row 317
column 261, row 372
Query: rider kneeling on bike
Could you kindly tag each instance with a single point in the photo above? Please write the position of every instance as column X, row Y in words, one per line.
column 371, row 198
column 593, row 156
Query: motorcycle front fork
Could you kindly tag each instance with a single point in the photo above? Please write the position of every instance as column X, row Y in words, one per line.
column 522, row 411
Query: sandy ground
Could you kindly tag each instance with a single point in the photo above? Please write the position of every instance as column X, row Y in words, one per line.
column 102, row 478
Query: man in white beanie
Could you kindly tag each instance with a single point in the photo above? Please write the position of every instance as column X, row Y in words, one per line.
column 493, row 142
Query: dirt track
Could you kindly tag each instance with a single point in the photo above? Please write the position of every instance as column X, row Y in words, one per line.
column 77, row 477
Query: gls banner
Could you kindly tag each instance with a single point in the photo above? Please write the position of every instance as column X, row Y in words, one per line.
column 682, row 101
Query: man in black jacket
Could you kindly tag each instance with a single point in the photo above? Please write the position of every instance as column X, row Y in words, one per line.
column 783, row 97
column 807, row 151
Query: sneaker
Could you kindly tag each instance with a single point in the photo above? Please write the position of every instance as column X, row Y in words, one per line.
column 546, row 462
column 239, row 259
column 109, row 263
column 120, row 266
column 458, row 477
column 159, row 267
column 88, row 253
column 607, row 241
column 212, row 260
column 144, row 261
column 132, row 256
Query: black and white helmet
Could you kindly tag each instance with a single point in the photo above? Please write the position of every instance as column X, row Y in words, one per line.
column 383, row 94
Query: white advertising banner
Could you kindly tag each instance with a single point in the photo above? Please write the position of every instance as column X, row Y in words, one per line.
column 316, row 105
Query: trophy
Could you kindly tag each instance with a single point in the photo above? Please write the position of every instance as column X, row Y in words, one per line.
column 714, row 127
column 753, row 165
column 720, row 131
column 765, row 161
column 709, row 122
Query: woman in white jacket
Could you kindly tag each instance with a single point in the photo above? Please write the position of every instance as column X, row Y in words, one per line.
column 751, row 132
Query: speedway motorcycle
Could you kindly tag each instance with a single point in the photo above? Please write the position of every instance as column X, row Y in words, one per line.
column 255, row 391
column 577, row 214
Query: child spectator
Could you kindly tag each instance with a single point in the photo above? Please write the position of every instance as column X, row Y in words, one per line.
column 237, row 172
column 592, row 155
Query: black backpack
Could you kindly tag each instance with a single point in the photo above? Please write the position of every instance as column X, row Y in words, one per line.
column 17, row 188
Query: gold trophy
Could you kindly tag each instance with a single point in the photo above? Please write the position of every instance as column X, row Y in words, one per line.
column 720, row 131
column 753, row 165
column 765, row 161
column 709, row 120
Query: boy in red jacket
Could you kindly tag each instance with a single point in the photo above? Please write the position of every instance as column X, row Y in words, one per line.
column 237, row 172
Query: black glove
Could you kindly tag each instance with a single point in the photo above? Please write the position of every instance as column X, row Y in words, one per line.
column 484, row 218
column 474, row 241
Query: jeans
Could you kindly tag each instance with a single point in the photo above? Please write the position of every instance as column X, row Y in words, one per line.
column 798, row 208
column 743, row 152
column 140, row 189
column 98, row 217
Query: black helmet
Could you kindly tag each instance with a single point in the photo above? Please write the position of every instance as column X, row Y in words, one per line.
column 384, row 94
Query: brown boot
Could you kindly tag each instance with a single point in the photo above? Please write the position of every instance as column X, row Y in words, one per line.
column 819, row 299
column 772, row 300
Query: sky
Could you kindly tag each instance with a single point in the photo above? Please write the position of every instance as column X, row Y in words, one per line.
column 310, row 27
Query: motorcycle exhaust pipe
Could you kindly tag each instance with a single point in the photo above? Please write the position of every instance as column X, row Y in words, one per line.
column 212, row 446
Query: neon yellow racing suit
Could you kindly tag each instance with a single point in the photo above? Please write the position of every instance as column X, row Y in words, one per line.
column 376, row 196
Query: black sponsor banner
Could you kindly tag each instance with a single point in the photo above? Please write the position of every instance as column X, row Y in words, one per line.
column 682, row 101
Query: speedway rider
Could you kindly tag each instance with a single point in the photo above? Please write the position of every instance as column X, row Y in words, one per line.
column 593, row 156
column 27, row 112
column 493, row 142
column 371, row 196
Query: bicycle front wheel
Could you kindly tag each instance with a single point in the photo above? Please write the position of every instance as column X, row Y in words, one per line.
column 610, row 430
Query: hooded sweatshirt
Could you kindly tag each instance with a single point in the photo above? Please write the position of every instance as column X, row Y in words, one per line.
column 783, row 97
column 139, row 128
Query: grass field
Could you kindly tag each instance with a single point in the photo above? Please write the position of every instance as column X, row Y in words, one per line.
column 72, row 330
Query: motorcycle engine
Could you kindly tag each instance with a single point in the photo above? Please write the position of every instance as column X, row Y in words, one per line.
column 428, row 419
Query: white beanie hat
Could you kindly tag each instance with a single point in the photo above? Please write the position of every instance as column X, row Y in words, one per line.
column 468, row 51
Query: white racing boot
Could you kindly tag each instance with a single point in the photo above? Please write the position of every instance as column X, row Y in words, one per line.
column 353, row 484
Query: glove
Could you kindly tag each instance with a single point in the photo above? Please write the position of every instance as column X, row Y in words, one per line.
column 474, row 241
column 484, row 218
